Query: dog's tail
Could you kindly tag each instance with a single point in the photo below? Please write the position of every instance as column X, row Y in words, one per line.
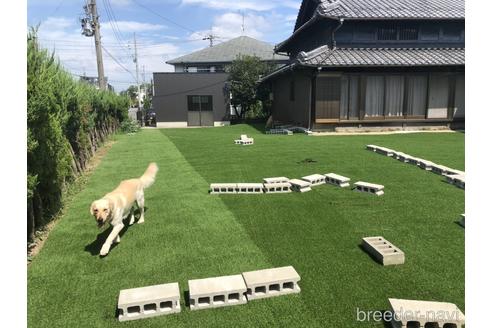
column 148, row 178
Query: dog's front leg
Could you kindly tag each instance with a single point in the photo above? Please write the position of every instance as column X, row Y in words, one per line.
column 112, row 236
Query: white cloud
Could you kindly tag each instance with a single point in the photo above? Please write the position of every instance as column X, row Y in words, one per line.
column 256, row 5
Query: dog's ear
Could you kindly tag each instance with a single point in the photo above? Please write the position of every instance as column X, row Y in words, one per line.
column 91, row 209
column 110, row 206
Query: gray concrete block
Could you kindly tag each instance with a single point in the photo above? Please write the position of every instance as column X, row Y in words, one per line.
column 223, row 188
column 383, row 251
column 462, row 221
column 337, row 180
column 456, row 179
column 414, row 160
column 412, row 313
column 425, row 164
column 440, row 169
column 300, row 185
column 384, row 151
column 371, row 147
column 271, row 282
column 402, row 157
column 315, row 179
column 217, row 292
column 249, row 188
column 150, row 301
column 372, row 188
column 276, row 180
column 271, row 188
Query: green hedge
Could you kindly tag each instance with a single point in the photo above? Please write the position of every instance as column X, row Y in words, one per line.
column 66, row 121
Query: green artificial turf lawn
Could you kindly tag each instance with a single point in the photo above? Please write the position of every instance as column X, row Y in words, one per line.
column 189, row 234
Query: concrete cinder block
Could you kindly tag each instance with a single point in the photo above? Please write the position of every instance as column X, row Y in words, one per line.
column 456, row 179
column 384, row 151
column 216, row 292
column 402, row 157
column 369, row 187
column 315, row 179
column 462, row 221
column 249, row 188
column 440, row 169
column 271, row 282
column 223, row 188
column 337, row 180
column 425, row 164
column 276, row 180
column 383, row 251
column 271, row 188
column 412, row 313
column 150, row 301
column 371, row 147
column 300, row 185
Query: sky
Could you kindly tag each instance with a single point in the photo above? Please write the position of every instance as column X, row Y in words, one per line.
column 164, row 29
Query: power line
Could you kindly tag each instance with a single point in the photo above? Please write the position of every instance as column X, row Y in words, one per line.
column 118, row 62
column 165, row 18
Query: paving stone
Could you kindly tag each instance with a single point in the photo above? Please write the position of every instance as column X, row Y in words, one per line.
column 413, row 313
column 150, row 301
column 276, row 180
column 223, row 188
column 315, row 179
column 249, row 188
column 217, row 292
column 271, row 282
column 271, row 188
column 300, row 185
column 383, row 251
column 369, row 187
column 337, row 180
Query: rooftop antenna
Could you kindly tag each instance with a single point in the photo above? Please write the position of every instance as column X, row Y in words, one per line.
column 242, row 26
column 211, row 37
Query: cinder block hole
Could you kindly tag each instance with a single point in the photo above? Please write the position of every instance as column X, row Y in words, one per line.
column 450, row 325
column 274, row 288
column 219, row 299
column 120, row 312
column 431, row 325
column 230, row 190
column 260, row 290
column 413, row 324
column 372, row 190
column 133, row 311
column 250, row 189
column 365, row 189
column 249, row 291
column 150, row 308
column 288, row 285
column 257, row 190
column 203, row 301
column 223, row 190
column 278, row 189
column 243, row 189
column 167, row 306
column 286, row 188
column 216, row 190
column 234, row 297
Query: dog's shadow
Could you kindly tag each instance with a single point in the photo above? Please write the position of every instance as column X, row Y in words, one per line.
column 95, row 247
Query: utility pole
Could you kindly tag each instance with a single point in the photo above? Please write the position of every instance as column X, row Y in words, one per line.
column 135, row 60
column 91, row 28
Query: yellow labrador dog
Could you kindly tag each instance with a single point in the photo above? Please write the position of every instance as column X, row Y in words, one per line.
column 117, row 205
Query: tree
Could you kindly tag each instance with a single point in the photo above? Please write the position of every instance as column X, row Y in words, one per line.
column 244, row 73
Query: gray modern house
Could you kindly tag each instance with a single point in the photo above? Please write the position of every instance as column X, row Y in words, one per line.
column 368, row 63
column 197, row 94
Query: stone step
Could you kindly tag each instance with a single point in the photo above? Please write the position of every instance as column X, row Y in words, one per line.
column 276, row 180
column 315, row 179
column 150, row 301
column 271, row 188
column 383, row 251
column 337, row 180
column 249, row 188
column 413, row 313
column 217, row 292
column 271, row 282
column 300, row 185
column 223, row 188
column 369, row 187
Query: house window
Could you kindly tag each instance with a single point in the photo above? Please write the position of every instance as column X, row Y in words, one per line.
column 200, row 103
column 408, row 33
column 192, row 69
column 349, row 97
column 365, row 33
column 429, row 33
column 416, row 89
column 292, row 91
column 374, row 96
column 393, row 101
column 451, row 33
column 387, row 33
